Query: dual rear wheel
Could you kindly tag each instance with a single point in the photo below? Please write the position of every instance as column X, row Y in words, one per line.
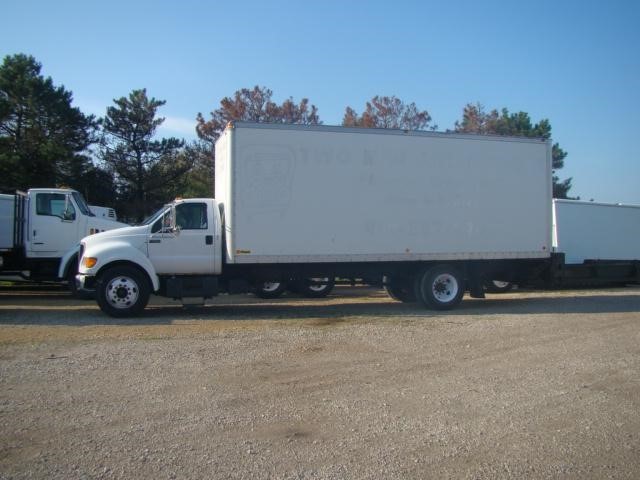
column 438, row 287
column 317, row 287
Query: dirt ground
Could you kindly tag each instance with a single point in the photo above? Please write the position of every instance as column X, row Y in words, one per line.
column 521, row 385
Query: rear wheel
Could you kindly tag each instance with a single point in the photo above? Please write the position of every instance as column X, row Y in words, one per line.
column 399, row 290
column 317, row 287
column 440, row 287
column 122, row 291
column 496, row 286
column 269, row 289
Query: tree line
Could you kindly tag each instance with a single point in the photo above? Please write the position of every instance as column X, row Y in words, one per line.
column 118, row 160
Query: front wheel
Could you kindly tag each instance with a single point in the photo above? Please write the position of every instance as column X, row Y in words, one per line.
column 440, row 287
column 122, row 292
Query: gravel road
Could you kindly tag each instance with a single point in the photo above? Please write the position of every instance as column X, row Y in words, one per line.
column 356, row 386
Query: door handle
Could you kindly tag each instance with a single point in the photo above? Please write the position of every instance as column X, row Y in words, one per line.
column 155, row 241
column 208, row 239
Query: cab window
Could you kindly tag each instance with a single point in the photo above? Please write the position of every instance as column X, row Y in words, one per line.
column 192, row 216
column 55, row 205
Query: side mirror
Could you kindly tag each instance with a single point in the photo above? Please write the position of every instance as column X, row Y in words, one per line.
column 68, row 216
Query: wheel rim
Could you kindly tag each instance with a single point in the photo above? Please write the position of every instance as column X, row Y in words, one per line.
column 318, row 288
column 445, row 287
column 499, row 284
column 270, row 286
column 122, row 292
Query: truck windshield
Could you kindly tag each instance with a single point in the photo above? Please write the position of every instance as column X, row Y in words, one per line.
column 82, row 204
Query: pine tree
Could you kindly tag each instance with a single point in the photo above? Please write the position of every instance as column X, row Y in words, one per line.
column 43, row 139
column 145, row 169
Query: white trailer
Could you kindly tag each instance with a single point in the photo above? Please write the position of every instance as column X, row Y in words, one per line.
column 597, row 243
column 40, row 231
column 435, row 214
column 587, row 231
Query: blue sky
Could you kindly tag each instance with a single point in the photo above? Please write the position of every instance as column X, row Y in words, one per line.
column 576, row 63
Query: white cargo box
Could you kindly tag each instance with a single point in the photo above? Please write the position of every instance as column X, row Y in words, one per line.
column 6, row 221
column 596, row 231
column 332, row 194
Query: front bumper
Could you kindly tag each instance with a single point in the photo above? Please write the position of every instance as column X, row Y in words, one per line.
column 85, row 283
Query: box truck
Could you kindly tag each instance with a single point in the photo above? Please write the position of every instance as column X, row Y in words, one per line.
column 435, row 214
column 40, row 232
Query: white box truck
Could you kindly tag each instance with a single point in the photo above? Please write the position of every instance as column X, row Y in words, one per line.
column 40, row 232
column 434, row 213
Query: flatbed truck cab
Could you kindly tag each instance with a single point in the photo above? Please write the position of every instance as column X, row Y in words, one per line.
column 40, row 232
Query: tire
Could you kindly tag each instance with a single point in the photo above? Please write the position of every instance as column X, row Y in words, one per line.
column 122, row 291
column 269, row 290
column 312, row 288
column 496, row 286
column 440, row 287
column 401, row 291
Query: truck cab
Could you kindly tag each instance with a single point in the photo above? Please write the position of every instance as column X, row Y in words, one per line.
column 57, row 220
column 43, row 228
column 175, row 252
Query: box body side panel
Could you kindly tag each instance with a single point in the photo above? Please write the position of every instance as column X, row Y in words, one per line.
column 315, row 196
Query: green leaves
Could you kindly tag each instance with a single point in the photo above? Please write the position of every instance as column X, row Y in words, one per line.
column 146, row 169
column 43, row 138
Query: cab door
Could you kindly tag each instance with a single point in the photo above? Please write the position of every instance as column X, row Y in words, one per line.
column 181, row 241
column 53, row 226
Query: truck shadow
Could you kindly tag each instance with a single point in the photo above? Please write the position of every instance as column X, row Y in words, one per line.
column 49, row 310
column 389, row 308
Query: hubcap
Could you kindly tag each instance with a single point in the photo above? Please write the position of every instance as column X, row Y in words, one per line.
column 270, row 286
column 445, row 287
column 499, row 284
column 122, row 292
column 318, row 284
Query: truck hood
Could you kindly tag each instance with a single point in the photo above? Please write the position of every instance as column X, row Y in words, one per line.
column 101, row 224
column 136, row 236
